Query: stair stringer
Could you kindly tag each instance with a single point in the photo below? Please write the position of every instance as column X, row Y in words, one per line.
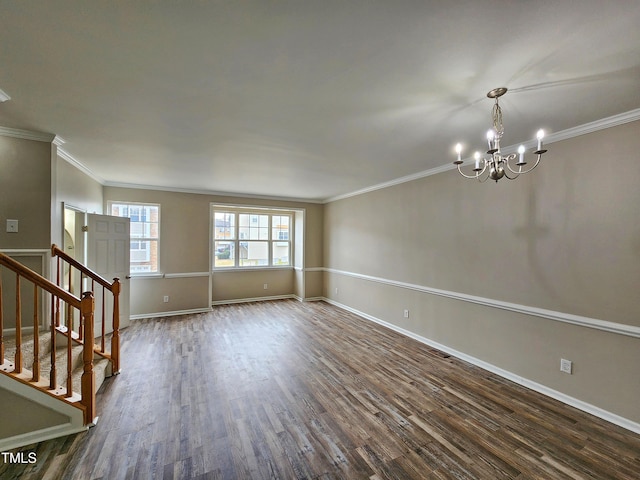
column 75, row 415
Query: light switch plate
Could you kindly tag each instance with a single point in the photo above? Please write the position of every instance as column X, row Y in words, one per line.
column 12, row 226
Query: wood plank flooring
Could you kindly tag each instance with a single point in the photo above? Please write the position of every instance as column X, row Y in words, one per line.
column 290, row 390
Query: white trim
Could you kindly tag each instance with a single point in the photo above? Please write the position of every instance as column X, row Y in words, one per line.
column 613, row 121
column 391, row 183
column 169, row 314
column 186, row 275
column 251, row 269
column 210, row 192
column 45, row 265
column 142, row 276
column 309, row 299
column 566, row 399
column 591, row 127
column 38, row 436
column 44, row 254
column 313, row 299
column 4, row 96
column 604, row 325
column 24, row 252
column 315, row 269
column 157, row 276
column 75, row 415
column 62, row 153
column 26, row 134
column 254, row 299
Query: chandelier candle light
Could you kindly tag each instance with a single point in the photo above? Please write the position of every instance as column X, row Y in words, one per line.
column 496, row 165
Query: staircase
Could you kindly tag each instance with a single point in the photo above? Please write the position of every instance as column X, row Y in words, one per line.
column 50, row 371
column 101, row 365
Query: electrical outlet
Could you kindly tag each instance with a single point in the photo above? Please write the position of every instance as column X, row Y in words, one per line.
column 166, row 299
column 566, row 366
column 406, row 313
column 336, row 290
column 265, row 286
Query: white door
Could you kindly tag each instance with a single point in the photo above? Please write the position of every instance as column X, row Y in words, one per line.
column 108, row 255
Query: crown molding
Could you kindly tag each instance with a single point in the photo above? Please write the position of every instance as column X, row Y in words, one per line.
column 26, row 134
column 613, row 121
column 609, row 122
column 391, row 183
column 210, row 192
column 62, row 153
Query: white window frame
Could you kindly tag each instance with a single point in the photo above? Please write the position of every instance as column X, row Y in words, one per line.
column 135, row 269
column 235, row 239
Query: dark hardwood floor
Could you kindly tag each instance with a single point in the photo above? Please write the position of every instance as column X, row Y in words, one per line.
column 290, row 390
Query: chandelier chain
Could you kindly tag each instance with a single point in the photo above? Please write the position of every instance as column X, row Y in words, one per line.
column 496, row 116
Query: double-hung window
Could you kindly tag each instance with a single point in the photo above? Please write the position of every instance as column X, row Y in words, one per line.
column 252, row 238
column 144, row 233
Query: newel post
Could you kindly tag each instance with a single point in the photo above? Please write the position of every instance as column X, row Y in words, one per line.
column 115, row 338
column 88, row 381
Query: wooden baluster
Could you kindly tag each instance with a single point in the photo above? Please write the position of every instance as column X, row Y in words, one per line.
column 80, row 324
column 57, row 304
column 88, row 381
column 1, row 321
column 52, row 372
column 104, row 321
column 69, row 352
column 18, row 358
column 36, row 339
column 115, row 337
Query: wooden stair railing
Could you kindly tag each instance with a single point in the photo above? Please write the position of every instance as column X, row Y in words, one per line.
column 101, row 296
column 84, row 305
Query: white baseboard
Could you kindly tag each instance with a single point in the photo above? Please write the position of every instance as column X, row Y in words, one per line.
column 75, row 415
column 253, row 299
column 38, row 436
column 172, row 313
column 566, row 399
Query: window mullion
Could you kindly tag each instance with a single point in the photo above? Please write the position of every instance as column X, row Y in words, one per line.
column 269, row 244
column 236, row 236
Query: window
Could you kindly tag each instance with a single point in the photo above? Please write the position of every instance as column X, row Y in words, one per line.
column 145, row 234
column 251, row 238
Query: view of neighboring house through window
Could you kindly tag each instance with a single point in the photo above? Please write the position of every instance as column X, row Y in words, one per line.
column 144, row 232
column 251, row 239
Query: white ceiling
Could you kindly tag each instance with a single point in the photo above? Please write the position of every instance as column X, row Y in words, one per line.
column 305, row 99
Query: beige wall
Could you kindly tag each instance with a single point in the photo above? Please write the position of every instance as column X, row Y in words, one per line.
column 25, row 192
column 21, row 415
column 184, row 253
column 233, row 285
column 77, row 189
column 564, row 238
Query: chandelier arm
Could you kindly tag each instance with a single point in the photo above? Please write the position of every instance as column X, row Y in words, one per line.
column 476, row 176
column 517, row 174
column 485, row 178
column 520, row 170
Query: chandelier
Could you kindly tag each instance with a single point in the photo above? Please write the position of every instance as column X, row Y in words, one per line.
column 496, row 165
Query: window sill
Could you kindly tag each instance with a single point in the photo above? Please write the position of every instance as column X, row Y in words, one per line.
column 146, row 275
column 250, row 269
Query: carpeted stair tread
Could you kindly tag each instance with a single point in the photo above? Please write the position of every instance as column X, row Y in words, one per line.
column 100, row 364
